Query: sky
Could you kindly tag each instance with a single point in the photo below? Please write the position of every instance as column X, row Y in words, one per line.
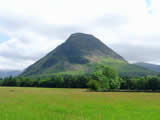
column 29, row 29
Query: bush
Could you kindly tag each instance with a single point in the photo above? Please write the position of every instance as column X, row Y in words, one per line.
column 94, row 85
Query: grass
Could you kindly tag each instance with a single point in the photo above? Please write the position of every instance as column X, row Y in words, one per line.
column 76, row 104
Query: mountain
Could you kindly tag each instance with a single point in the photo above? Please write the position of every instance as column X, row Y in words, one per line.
column 79, row 54
column 7, row 73
column 153, row 67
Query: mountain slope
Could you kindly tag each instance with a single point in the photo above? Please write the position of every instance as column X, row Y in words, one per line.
column 80, row 54
column 153, row 67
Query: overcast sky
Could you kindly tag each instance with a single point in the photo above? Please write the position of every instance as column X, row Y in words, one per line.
column 29, row 29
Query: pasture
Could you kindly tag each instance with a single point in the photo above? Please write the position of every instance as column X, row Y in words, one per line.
column 76, row 104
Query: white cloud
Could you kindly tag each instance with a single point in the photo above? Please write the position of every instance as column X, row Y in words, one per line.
column 35, row 27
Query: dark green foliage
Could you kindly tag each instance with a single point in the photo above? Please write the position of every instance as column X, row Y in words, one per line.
column 57, row 81
column 112, row 77
column 94, row 85
column 154, row 83
column 100, row 80
column 9, row 81
column 141, row 83
column 104, row 78
column 46, row 83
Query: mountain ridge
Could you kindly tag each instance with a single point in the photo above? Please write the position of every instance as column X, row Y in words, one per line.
column 150, row 66
column 80, row 53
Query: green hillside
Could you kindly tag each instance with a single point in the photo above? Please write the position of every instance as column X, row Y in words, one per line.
column 152, row 67
column 124, row 69
column 81, row 53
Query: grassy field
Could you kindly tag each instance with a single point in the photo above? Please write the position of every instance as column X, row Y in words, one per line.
column 76, row 104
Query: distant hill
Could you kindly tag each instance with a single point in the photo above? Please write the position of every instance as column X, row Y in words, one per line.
column 80, row 54
column 7, row 73
column 153, row 67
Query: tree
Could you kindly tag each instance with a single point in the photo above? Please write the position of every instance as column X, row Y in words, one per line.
column 105, row 77
column 111, row 76
column 58, row 81
column 94, row 85
column 9, row 81
column 153, row 83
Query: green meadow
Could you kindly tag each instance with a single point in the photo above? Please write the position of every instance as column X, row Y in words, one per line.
column 76, row 104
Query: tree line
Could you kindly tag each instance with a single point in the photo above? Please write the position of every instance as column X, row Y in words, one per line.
column 57, row 81
column 102, row 79
column 140, row 83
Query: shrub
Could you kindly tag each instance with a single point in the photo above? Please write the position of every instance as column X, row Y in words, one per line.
column 94, row 85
